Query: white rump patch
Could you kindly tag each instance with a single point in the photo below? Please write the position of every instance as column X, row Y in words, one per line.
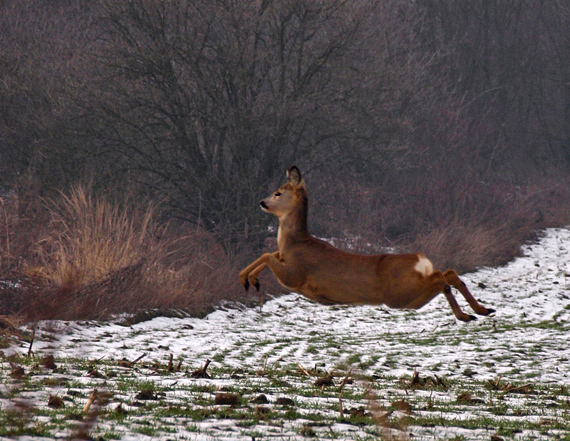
column 424, row 266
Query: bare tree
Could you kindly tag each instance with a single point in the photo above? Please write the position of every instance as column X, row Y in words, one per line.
column 42, row 63
column 504, row 62
column 208, row 101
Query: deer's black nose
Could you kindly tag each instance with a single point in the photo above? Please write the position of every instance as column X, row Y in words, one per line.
column 263, row 205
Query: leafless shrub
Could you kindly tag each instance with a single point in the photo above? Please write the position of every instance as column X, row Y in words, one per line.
column 466, row 246
column 22, row 221
column 462, row 225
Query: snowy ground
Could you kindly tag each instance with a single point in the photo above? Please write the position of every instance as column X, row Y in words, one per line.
column 526, row 342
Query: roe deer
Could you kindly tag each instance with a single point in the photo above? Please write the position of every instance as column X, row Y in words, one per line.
column 312, row 267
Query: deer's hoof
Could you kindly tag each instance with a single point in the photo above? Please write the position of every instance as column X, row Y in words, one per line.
column 246, row 284
column 467, row 318
column 257, row 285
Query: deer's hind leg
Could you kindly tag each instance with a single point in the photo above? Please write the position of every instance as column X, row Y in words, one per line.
column 454, row 280
column 433, row 285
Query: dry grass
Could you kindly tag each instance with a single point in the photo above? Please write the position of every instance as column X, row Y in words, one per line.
column 101, row 258
column 466, row 246
column 91, row 238
column 472, row 242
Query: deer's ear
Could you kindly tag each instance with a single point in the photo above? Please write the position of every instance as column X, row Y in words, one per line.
column 294, row 176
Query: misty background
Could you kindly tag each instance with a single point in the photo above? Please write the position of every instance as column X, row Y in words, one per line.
column 431, row 125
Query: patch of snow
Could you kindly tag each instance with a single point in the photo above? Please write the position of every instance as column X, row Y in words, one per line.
column 531, row 296
column 526, row 339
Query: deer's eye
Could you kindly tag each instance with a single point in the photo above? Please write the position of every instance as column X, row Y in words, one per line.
column 277, row 194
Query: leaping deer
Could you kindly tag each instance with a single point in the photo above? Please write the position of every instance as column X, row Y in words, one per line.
column 325, row 274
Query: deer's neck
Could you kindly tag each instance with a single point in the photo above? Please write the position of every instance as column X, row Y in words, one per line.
column 292, row 227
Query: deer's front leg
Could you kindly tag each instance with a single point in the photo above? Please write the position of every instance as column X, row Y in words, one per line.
column 249, row 275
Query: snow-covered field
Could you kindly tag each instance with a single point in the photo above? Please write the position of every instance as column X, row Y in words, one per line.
column 525, row 343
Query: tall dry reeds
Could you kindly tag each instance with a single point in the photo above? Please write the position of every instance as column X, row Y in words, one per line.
column 101, row 258
column 91, row 238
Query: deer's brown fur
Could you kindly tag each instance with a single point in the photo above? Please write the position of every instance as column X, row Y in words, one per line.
column 323, row 273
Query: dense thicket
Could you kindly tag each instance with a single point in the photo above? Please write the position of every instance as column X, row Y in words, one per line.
column 407, row 118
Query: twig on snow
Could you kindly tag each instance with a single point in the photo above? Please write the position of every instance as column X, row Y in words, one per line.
column 303, row 370
column 342, row 383
column 90, row 401
column 31, row 342
column 201, row 373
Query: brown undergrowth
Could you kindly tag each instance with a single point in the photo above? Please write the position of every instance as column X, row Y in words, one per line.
column 96, row 258
column 495, row 238
column 464, row 228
